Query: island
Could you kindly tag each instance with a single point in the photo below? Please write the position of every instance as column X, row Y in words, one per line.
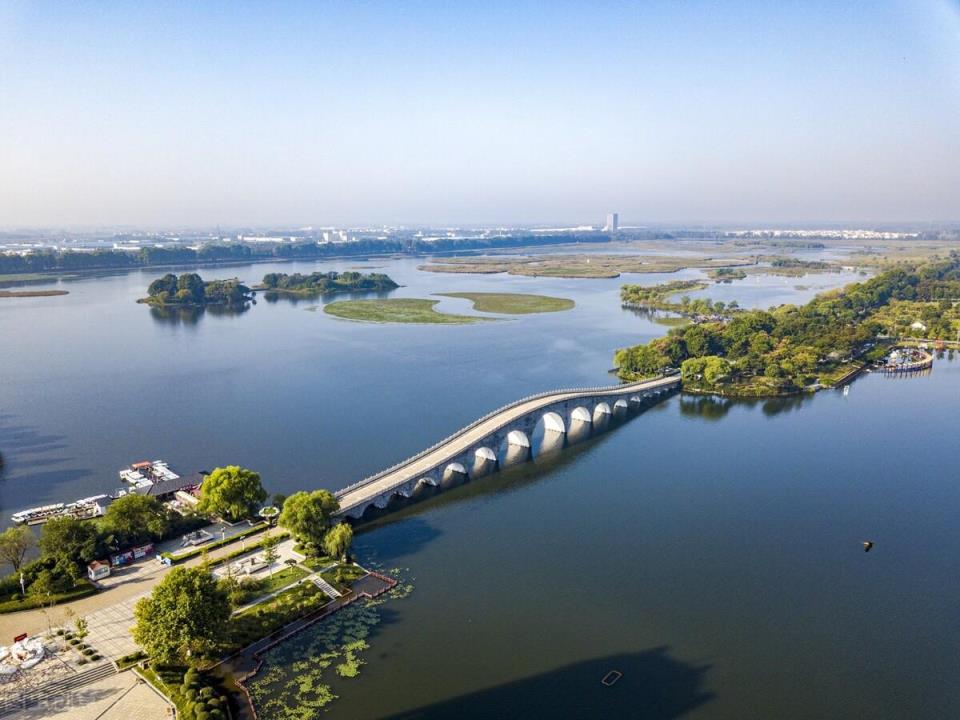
column 31, row 293
column 513, row 303
column 398, row 310
column 190, row 290
column 325, row 283
column 791, row 349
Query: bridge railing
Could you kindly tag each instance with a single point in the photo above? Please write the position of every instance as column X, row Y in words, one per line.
column 577, row 392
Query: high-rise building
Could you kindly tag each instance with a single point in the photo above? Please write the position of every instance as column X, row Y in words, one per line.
column 613, row 222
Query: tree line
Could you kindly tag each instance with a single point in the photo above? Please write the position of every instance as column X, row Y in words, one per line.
column 66, row 260
column 784, row 349
column 323, row 283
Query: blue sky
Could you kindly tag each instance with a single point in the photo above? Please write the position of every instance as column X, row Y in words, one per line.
column 171, row 114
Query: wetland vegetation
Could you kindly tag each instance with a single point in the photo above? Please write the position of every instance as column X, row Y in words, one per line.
column 513, row 303
column 397, row 310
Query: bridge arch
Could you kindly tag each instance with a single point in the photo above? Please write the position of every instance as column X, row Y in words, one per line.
column 600, row 410
column 454, row 474
column 580, row 414
column 518, row 438
column 553, row 422
column 484, row 461
column 621, row 407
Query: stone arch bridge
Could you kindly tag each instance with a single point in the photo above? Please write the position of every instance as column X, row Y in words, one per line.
column 473, row 450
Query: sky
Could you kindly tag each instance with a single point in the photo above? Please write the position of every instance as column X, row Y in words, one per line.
column 331, row 113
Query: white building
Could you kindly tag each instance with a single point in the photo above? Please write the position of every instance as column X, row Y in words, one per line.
column 613, row 222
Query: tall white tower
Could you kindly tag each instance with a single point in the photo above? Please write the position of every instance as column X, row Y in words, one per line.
column 613, row 222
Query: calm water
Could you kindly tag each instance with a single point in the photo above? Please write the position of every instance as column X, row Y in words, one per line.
column 710, row 551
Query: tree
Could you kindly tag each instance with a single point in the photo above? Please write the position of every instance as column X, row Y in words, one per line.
column 337, row 541
column 134, row 519
column 185, row 616
column 232, row 492
column 307, row 515
column 715, row 369
column 15, row 543
column 81, row 628
column 167, row 284
column 47, row 584
column 269, row 546
column 75, row 540
column 193, row 286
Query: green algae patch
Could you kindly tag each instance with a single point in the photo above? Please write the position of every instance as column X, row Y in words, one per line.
column 295, row 681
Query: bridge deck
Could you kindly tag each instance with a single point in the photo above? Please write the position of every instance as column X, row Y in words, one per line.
column 419, row 466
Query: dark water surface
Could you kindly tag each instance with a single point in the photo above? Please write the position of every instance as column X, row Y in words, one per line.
column 708, row 550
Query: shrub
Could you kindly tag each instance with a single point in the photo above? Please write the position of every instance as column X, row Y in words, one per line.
column 87, row 651
column 94, row 657
column 82, row 661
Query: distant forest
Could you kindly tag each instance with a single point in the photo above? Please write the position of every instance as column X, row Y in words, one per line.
column 50, row 261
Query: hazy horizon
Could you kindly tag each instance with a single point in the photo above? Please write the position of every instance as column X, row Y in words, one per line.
column 289, row 114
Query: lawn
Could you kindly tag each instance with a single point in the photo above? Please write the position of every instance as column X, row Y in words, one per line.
column 398, row 310
column 514, row 303
column 281, row 579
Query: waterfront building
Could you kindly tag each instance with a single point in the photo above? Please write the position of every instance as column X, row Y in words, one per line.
column 613, row 222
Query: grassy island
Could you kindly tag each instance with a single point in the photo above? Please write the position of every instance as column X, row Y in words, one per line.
column 513, row 303
column 398, row 310
column 190, row 290
column 328, row 283
column 791, row 349
column 31, row 293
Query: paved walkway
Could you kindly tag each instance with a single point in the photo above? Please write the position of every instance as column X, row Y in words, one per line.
column 139, row 584
column 118, row 697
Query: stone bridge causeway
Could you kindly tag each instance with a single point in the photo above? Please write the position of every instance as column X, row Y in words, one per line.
column 473, row 451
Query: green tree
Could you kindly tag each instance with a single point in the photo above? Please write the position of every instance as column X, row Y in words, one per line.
column 15, row 543
column 47, row 584
column 167, row 284
column 193, row 285
column 337, row 541
column 307, row 515
column 185, row 616
column 269, row 547
column 77, row 541
column 715, row 369
column 641, row 360
column 232, row 492
column 134, row 519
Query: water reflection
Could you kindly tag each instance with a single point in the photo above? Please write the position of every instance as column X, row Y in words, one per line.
column 713, row 407
column 191, row 314
column 295, row 299
column 707, row 407
column 659, row 687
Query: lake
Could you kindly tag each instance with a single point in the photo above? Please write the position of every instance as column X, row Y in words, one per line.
column 710, row 551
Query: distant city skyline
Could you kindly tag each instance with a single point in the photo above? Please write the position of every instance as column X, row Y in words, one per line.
column 429, row 113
